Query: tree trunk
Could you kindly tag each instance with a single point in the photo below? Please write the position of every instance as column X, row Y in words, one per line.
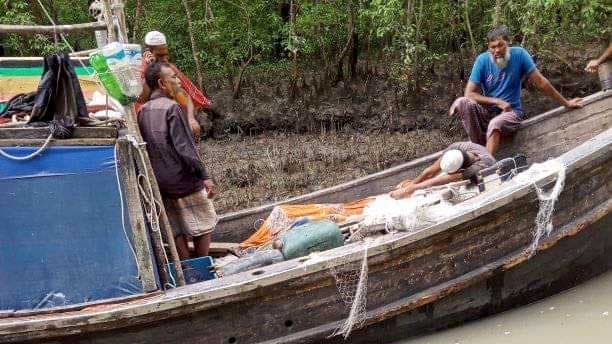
column 354, row 56
column 194, row 48
column 469, row 27
column 136, row 19
column 497, row 15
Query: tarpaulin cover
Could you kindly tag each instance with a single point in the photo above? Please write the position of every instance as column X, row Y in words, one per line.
column 61, row 235
column 17, row 80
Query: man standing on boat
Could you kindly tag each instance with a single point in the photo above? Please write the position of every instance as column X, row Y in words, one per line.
column 491, row 106
column 187, row 189
column 156, row 50
column 461, row 160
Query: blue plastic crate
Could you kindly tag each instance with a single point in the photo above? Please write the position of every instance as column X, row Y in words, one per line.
column 195, row 270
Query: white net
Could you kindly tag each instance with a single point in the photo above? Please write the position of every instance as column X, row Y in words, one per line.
column 409, row 214
column 352, row 284
column 547, row 200
column 421, row 211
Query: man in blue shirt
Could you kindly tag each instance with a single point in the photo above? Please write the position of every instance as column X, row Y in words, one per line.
column 491, row 106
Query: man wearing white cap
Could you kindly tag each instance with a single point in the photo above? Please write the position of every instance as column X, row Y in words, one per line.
column 156, row 50
column 461, row 160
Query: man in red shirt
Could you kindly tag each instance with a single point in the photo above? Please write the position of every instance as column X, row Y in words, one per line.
column 156, row 50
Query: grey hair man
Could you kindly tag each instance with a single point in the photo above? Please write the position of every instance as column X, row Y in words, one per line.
column 491, row 106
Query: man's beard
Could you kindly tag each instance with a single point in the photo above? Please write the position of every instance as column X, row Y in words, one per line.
column 502, row 62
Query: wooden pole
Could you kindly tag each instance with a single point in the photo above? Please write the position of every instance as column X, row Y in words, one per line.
column 140, row 241
column 166, row 230
column 108, row 18
column 117, row 10
column 33, row 29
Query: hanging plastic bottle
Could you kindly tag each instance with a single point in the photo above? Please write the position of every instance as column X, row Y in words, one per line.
column 115, row 57
column 108, row 79
column 133, row 82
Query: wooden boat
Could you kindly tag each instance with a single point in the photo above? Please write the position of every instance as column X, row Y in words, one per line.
column 475, row 263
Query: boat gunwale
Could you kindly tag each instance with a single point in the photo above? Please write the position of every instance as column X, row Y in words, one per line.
column 234, row 287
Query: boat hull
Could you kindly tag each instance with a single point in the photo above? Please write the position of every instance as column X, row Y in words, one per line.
column 476, row 264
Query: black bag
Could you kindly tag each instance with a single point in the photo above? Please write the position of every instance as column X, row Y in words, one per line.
column 59, row 100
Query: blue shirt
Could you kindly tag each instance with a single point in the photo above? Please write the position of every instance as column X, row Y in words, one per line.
column 503, row 83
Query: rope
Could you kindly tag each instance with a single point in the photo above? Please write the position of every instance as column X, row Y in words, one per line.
column 152, row 213
column 54, row 25
column 31, row 156
column 123, row 214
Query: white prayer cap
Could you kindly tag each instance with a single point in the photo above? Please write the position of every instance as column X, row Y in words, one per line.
column 452, row 160
column 155, row 38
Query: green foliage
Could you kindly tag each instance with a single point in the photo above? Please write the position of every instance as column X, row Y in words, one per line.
column 411, row 35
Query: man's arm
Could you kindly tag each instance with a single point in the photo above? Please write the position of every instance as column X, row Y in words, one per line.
column 536, row 78
column 183, row 143
column 427, row 173
column 594, row 64
column 193, row 123
column 438, row 180
column 474, row 92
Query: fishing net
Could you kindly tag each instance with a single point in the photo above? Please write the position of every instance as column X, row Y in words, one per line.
column 352, row 284
column 546, row 200
column 421, row 211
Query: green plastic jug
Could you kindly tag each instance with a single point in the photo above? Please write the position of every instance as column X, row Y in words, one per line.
column 311, row 237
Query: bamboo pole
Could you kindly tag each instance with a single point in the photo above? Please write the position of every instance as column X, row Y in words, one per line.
column 33, row 29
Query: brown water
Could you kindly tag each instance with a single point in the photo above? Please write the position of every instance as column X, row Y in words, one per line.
column 580, row 315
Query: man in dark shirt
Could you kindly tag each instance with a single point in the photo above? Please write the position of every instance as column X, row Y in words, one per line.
column 461, row 160
column 184, row 183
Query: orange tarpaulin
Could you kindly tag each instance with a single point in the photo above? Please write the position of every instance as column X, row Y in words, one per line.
column 282, row 216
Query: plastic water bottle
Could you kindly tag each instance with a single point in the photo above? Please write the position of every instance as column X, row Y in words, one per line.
column 133, row 83
column 108, row 79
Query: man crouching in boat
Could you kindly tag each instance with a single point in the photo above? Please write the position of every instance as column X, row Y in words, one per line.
column 461, row 160
column 185, row 185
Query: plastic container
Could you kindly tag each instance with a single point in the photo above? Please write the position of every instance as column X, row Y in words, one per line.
column 108, row 79
column 115, row 55
column 133, row 83
column 311, row 237
column 195, row 270
column 252, row 261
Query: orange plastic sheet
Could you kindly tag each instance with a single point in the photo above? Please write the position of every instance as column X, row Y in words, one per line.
column 283, row 216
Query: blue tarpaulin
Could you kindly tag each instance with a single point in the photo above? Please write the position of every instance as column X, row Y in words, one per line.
column 62, row 240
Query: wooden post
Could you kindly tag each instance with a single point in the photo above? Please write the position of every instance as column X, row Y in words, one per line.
column 140, row 240
column 33, row 29
column 108, row 18
column 117, row 10
column 166, row 230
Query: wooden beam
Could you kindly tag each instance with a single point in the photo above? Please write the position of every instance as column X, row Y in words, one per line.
column 32, row 29
column 165, row 230
column 140, row 239
column 110, row 29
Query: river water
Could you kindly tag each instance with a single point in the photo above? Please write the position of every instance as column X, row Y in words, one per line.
column 582, row 315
